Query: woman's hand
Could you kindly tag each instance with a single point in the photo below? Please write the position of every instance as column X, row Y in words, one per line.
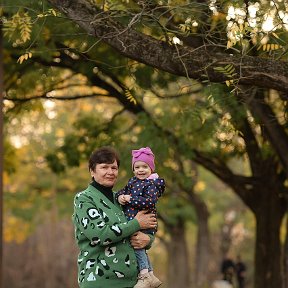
column 139, row 240
column 146, row 221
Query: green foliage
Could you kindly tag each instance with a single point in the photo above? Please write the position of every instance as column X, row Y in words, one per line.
column 18, row 28
column 142, row 74
column 31, row 189
column 229, row 72
column 70, row 149
column 174, row 208
column 206, row 120
column 10, row 159
column 55, row 164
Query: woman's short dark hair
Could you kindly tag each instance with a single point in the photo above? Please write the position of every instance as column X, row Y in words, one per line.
column 105, row 155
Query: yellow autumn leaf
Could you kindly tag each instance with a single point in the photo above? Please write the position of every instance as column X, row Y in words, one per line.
column 130, row 97
column 24, row 57
column 15, row 229
column 106, row 7
column 229, row 82
column 60, row 133
column 270, row 47
column 5, row 178
column 275, row 35
column 53, row 12
column 229, row 44
column 199, row 186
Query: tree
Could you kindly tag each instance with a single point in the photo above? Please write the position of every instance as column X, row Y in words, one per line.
column 255, row 113
column 1, row 151
column 179, row 60
column 250, row 70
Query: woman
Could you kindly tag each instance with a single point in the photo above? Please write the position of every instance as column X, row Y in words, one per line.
column 106, row 257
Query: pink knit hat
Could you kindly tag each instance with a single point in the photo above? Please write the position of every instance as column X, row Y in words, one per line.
column 143, row 154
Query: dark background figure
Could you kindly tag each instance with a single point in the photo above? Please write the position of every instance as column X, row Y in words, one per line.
column 228, row 269
column 240, row 272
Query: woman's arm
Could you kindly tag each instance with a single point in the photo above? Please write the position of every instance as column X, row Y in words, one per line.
column 97, row 227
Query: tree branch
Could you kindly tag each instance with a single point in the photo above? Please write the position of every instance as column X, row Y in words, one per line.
column 275, row 132
column 183, row 61
column 117, row 89
column 60, row 98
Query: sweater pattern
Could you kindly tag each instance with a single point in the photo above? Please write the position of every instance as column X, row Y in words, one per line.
column 106, row 258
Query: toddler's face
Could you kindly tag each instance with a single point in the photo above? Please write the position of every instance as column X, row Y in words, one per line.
column 141, row 170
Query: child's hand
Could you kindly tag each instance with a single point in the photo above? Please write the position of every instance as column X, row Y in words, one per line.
column 124, row 199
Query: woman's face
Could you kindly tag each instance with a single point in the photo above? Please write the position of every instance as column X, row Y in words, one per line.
column 105, row 174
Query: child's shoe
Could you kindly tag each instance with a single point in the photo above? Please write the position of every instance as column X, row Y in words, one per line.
column 155, row 282
column 144, row 281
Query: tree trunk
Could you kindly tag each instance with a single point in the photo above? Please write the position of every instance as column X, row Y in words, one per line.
column 178, row 264
column 285, row 257
column 268, row 268
column 48, row 258
column 1, row 155
column 202, row 245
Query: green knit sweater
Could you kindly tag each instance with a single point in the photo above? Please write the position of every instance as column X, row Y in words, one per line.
column 102, row 232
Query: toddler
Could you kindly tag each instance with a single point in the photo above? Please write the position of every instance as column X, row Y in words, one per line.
column 142, row 193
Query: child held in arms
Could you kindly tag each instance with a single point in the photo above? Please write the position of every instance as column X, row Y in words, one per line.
column 142, row 193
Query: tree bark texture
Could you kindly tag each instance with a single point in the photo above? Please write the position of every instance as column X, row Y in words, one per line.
column 269, row 214
column 285, row 256
column 47, row 259
column 1, row 155
column 178, row 262
column 179, row 60
column 202, row 250
column 275, row 132
column 268, row 244
column 265, row 195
